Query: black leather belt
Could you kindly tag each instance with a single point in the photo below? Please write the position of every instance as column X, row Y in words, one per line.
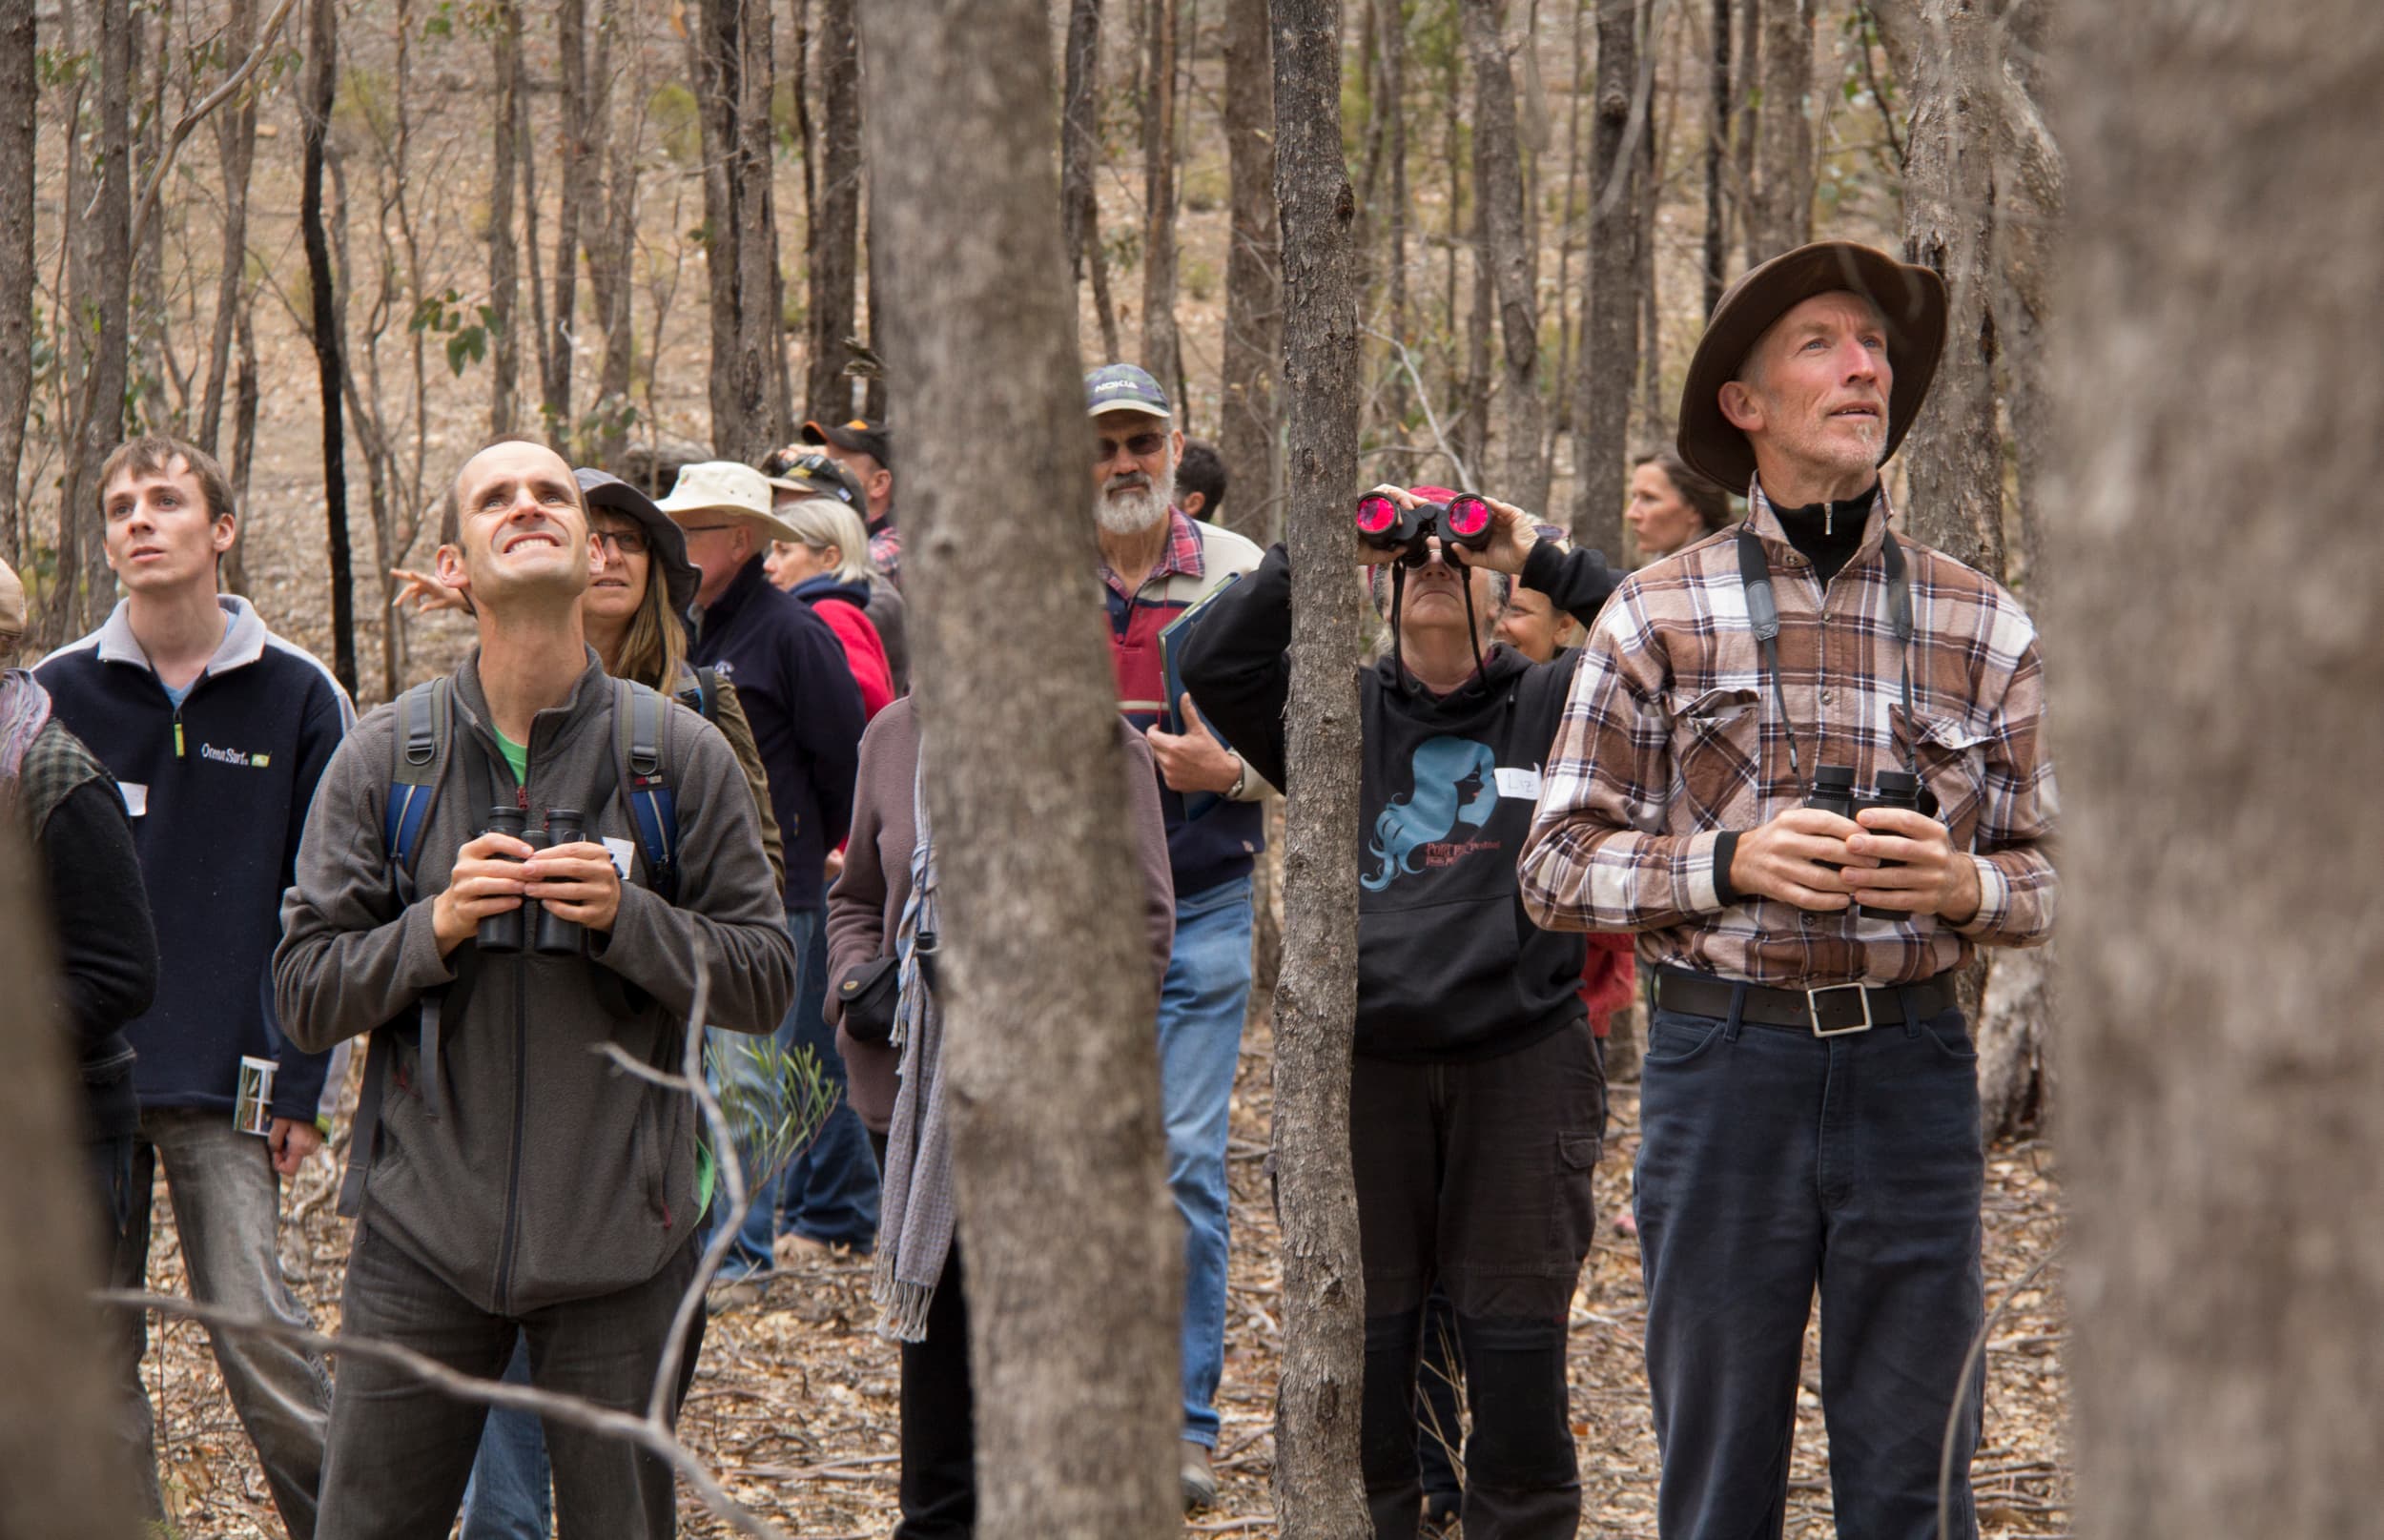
column 1828, row 1011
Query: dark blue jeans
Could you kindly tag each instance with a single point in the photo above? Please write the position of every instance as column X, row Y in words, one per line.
column 829, row 1192
column 1771, row 1163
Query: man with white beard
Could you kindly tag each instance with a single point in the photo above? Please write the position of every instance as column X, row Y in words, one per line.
column 1155, row 563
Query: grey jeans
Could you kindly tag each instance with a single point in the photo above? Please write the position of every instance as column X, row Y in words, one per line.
column 227, row 1209
column 402, row 1450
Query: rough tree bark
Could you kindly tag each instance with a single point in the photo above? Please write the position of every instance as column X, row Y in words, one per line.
column 1073, row 1346
column 1716, row 152
column 1253, row 342
column 1079, row 152
column 1498, row 186
column 1394, row 56
column 1318, row 1492
column 1163, row 353
column 2224, row 1141
column 1609, row 322
column 835, row 240
column 2028, row 199
column 18, row 128
column 504, row 288
column 1782, row 213
column 60, row 1465
column 235, row 148
column 610, row 276
column 578, row 168
column 733, row 70
column 101, row 233
column 1948, row 66
column 317, row 88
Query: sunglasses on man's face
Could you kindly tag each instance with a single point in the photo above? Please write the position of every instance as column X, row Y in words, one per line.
column 1142, row 446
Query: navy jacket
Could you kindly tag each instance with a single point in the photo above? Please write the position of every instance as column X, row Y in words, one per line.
column 219, row 790
column 806, row 713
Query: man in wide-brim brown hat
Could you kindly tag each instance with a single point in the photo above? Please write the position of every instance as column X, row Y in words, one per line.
column 1809, row 1110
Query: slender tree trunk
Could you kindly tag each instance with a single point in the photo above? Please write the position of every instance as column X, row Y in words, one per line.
column 1747, row 127
column 1051, row 993
column 1394, row 45
column 2030, row 195
column 1080, row 148
column 1783, row 186
column 1253, row 342
column 103, row 306
column 1954, row 452
column 579, row 168
column 1473, row 403
column 318, row 90
column 525, row 156
column 1161, row 354
column 236, row 146
column 62, row 1471
column 610, row 258
column 2219, row 392
column 1498, row 182
column 1716, row 152
column 827, row 390
column 1655, row 138
column 246, row 392
column 1609, row 348
column 505, row 341
column 19, row 130
column 1318, row 1492
column 749, row 374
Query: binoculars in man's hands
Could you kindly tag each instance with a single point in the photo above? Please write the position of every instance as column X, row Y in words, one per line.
column 1834, row 792
column 1463, row 522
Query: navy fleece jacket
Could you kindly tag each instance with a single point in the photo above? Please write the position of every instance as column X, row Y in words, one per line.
column 218, row 789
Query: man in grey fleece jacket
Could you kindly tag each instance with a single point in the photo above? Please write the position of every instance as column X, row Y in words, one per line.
column 518, row 1180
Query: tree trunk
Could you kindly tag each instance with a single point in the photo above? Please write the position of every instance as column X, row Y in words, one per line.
column 235, row 147
column 835, row 242
column 1609, row 322
column 1253, row 341
column 246, row 391
column 1783, row 180
column 1318, row 1492
column 2224, row 1144
column 613, row 255
column 1747, row 124
column 1472, row 404
column 1653, row 137
column 749, row 375
column 504, row 340
column 1954, row 452
column 2028, row 194
column 319, row 87
column 1161, row 354
column 18, row 133
column 1395, row 46
column 1716, row 152
column 105, row 238
column 1051, row 993
column 2014, row 1011
column 61, row 1464
column 1498, row 184
column 579, row 168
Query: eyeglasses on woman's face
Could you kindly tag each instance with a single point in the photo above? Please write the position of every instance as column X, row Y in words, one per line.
column 631, row 542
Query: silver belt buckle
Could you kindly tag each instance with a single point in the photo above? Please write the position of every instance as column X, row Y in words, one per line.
column 1813, row 1009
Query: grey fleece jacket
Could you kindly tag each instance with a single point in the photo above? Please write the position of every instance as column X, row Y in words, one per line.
column 548, row 1173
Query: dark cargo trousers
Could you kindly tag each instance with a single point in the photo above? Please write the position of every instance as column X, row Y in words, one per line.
column 400, row 1450
column 1477, row 1176
column 1773, row 1162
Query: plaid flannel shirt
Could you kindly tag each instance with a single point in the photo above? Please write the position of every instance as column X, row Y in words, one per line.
column 1671, row 736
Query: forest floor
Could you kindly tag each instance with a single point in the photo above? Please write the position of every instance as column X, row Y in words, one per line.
column 794, row 1400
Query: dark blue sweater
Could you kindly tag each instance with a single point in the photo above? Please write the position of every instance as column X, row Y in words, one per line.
column 219, row 790
column 805, row 710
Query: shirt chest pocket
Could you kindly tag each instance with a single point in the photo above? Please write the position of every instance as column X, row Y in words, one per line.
column 1951, row 753
column 1718, row 749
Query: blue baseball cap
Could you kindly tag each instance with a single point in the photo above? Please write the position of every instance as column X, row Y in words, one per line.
column 1121, row 388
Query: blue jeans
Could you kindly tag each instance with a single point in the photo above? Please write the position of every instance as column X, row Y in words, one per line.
column 510, row 1495
column 1771, row 1163
column 1200, row 1008
column 828, row 1191
column 731, row 1067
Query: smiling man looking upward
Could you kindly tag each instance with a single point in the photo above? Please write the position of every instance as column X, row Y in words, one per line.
column 1809, row 1106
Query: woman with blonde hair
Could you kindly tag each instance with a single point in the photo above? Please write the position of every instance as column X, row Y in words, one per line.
column 827, row 567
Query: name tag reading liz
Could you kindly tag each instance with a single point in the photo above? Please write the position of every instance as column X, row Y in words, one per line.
column 1518, row 783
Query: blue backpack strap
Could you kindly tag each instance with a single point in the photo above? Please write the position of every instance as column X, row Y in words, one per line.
column 638, row 716
column 417, row 757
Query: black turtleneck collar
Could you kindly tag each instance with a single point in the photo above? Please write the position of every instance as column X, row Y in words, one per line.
column 1827, row 534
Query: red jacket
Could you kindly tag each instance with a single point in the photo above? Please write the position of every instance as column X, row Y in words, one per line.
column 840, row 606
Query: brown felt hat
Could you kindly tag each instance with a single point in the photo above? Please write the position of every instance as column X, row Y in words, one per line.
column 1912, row 299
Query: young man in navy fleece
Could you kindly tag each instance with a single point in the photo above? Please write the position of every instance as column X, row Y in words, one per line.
column 217, row 730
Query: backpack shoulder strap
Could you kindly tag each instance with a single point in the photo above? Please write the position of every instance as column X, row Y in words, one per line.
column 640, row 726
column 699, row 690
column 417, row 757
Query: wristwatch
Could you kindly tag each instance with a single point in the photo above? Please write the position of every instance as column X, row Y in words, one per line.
column 1241, row 777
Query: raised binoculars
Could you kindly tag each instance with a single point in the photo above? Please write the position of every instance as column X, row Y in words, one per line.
column 1463, row 521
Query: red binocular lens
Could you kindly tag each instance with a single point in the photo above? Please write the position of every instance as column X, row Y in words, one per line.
column 1468, row 518
column 1376, row 514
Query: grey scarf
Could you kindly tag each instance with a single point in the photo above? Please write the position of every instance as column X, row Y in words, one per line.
column 914, row 1213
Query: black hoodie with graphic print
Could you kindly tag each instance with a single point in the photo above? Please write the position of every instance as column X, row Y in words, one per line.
column 1450, row 968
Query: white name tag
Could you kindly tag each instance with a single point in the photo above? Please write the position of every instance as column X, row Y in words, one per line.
column 620, row 849
column 1518, row 783
column 136, row 797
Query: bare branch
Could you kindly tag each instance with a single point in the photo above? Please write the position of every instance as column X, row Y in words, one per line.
column 147, row 203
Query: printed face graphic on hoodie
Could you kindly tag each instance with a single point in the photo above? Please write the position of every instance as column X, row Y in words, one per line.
column 1455, row 786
